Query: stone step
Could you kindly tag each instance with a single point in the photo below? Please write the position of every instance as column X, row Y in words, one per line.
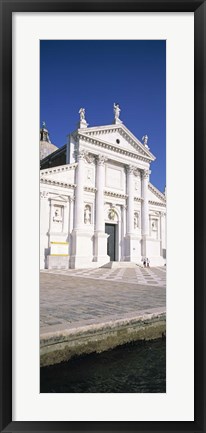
column 117, row 265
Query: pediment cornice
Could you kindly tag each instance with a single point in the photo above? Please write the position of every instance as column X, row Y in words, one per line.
column 98, row 142
column 124, row 132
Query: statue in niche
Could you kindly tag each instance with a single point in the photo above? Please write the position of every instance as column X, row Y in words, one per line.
column 136, row 220
column 87, row 214
column 57, row 214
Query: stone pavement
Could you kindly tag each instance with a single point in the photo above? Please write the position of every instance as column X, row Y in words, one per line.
column 138, row 275
column 75, row 298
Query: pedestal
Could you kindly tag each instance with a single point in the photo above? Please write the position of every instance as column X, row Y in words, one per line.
column 57, row 262
column 132, row 248
column 82, row 249
column 100, row 248
column 151, row 248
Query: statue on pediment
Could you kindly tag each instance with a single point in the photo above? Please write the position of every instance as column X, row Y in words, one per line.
column 145, row 140
column 116, row 111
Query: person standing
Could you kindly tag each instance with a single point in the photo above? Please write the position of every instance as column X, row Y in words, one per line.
column 148, row 262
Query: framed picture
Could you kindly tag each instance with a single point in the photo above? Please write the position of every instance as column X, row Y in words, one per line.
column 27, row 30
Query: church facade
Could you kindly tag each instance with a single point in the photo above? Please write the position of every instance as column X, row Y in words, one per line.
column 99, row 206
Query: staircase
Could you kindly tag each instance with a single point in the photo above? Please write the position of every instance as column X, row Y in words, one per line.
column 117, row 265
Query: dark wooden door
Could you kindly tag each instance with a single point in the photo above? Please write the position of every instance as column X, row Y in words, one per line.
column 110, row 229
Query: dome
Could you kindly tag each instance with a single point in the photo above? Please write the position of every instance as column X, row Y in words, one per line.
column 46, row 147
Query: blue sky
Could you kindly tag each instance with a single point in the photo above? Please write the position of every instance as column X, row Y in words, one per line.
column 94, row 75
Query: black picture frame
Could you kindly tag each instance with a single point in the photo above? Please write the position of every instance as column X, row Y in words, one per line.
column 7, row 7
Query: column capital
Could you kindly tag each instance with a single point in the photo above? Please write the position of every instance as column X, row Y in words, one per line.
column 44, row 194
column 83, row 154
column 145, row 174
column 162, row 213
column 130, row 169
column 137, row 172
column 101, row 159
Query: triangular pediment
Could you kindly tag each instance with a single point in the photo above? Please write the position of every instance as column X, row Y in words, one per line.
column 155, row 195
column 120, row 137
column 62, row 173
column 58, row 197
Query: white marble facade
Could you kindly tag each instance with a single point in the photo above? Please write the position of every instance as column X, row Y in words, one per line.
column 100, row 205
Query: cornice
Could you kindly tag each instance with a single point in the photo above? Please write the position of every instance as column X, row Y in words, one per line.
column 113, row 147
column 157, row 203
column 90, row 189
column 115, row 194
column 138, row 199
column 58, row 169
column 158, row 193
column 57, row 183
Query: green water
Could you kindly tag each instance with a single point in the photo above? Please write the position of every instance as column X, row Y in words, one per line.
column 136, row 367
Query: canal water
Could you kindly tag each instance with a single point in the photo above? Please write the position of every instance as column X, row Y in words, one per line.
column 136, row 367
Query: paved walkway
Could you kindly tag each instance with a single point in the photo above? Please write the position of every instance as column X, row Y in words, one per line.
column 149, row 276
column 81, row 297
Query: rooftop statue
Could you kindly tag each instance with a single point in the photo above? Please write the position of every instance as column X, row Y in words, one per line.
column 116, row 110
column 82, row 113
column 145, row 140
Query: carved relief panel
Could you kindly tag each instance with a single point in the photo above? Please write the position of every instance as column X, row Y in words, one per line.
column 57, row 217
column 114, row 177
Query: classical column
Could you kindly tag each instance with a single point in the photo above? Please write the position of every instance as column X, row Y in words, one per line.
column 124, row 230
column 130, row 200
column 145, row 204
column 124, row 225
column 100, row 182
column 160, row 232
column 71, row 213
column 79, row 192
column 100, row 237
column 132, row 241
column 44, row 227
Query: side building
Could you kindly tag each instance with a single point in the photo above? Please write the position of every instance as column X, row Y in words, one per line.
column 96, row 201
